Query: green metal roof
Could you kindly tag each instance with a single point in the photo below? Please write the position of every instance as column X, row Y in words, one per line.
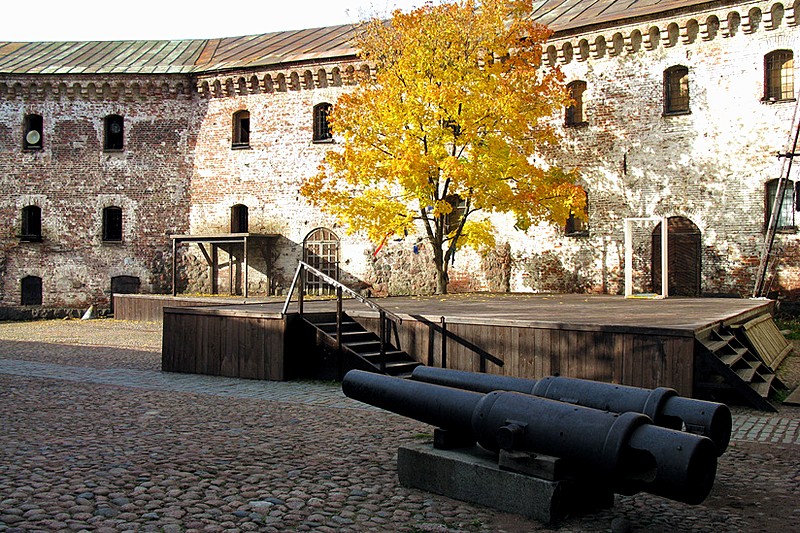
column 269, row 49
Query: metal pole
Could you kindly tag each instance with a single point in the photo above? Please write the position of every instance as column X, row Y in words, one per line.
column 444, row 343
column 302, row 290
column 382, row 318
column 340, row 363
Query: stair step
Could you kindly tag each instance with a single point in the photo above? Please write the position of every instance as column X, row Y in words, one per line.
column 346, row 325
column 746, row 374
column 730, row 359
column 362, row 346
column 763, row 388
column 715, row 346
column 390, row 354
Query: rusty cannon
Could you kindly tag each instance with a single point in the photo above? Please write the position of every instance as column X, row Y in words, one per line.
column 625, row 452
column 663, row 405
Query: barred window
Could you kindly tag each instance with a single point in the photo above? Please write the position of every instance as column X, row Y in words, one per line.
column 676, row 90
column 785, row 220
column 779, row 75
column 322, row 129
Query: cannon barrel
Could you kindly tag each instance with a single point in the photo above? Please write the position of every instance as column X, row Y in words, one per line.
column 662, row 405
column 625, row 449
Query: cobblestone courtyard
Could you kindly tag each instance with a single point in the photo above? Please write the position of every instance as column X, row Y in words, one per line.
column 94, row 437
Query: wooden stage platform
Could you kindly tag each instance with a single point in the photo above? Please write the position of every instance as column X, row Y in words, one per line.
column 639, row 342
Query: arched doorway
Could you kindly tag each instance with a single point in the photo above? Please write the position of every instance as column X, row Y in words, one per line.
column 684, row 257
column 321, row 251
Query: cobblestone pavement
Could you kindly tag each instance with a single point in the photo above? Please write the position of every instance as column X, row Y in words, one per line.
column 94, row 437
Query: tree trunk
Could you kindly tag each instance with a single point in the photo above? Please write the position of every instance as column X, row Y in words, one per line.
column 441, row 269
column 441, row 280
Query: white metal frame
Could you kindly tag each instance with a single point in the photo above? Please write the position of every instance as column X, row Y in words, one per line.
column 628, row 232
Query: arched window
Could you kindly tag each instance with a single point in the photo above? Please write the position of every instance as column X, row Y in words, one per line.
column 241, row 129
column 31, row 229
column 779, row 75
column 574, row 113
column 33, row 132
column 676, row 90
column 31, row 290
column 322, row 130
column 113, row 132
column 112, row 224
column 321, row 251
column 785, row 220
column 239, row 219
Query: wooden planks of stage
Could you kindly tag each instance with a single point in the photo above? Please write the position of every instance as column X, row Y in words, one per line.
column 640, row 342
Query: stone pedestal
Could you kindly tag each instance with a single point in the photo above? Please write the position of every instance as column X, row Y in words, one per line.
column 473, row 475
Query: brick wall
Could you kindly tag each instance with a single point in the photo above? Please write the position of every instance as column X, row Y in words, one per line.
column 72, row 178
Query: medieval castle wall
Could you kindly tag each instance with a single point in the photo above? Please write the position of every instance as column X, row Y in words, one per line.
column 182, row 171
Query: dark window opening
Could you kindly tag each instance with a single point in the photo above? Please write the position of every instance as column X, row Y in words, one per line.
column 31, row 224
column 322, row 129
column 31, row 288
column 574, row 113
column 112, row 224
column 114, row 132
column 786, row 206
column 454, row 217
column 239, row 219
column 33, row 132
column 779, row 75
column 577, row 224
column 676, row 91
column 241, row 129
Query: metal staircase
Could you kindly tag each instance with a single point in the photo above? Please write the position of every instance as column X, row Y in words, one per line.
column 352, row 344
column 727, row 365
column 360, row 347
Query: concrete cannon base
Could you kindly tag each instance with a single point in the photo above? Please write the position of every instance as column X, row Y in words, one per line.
column 472, row 474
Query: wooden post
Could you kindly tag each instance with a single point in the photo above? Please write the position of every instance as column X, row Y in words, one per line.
column 244, row 274
column 214, row 269
column 174, row 265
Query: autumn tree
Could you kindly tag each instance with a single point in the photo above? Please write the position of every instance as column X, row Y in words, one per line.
column 449, row 125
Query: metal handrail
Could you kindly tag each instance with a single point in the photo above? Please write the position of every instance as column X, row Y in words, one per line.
column 384, row 314
column 336, row 284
